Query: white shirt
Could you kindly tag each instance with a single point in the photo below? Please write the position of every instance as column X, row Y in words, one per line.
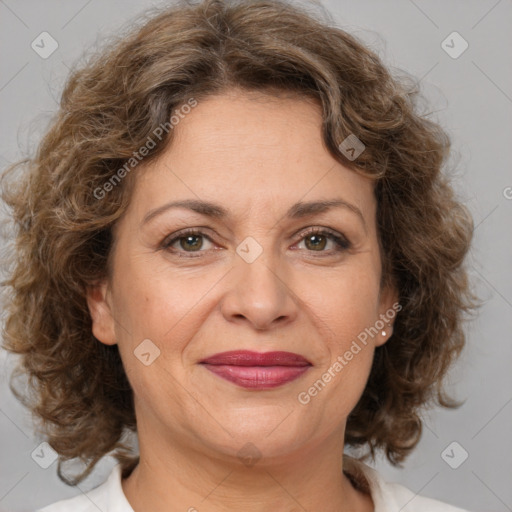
column 387, row 496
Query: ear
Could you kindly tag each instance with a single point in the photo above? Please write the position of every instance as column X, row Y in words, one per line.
column 98, row 301
column 388, row 310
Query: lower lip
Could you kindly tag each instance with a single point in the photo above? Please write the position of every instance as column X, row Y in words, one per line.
column 257, row 377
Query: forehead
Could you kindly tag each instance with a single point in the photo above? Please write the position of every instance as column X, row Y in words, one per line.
column 252, row 152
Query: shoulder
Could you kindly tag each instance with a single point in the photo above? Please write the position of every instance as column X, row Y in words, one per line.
column 107, row 497
column 389, row 496
column 77, row 504
column 408, row 501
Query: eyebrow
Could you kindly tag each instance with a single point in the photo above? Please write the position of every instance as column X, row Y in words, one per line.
column 297, row 211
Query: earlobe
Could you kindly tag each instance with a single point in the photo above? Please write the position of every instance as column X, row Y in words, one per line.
column 388, row 310
column 101, row 314
column 384, row 335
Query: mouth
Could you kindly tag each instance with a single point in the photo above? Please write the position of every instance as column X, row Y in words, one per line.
column 256, row 370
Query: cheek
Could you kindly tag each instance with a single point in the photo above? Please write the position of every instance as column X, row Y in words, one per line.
column 347, row 303
column 153, row 299
column 344, row 314
column 155, row 323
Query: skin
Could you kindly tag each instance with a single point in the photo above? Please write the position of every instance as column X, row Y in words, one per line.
column 255, row 155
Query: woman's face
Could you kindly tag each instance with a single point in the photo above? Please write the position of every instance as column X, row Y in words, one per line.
column 250, row 278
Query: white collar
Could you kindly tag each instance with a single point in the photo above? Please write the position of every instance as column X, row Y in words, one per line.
column 386, row 496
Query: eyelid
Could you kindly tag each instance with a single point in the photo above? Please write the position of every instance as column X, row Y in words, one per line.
column 320, row 229
column 174, row 237
column 339, row 239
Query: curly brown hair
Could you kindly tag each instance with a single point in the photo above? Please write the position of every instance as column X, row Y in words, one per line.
column 80, row 394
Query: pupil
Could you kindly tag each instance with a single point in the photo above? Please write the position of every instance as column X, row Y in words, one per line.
column 317, row 237
column 192, row 246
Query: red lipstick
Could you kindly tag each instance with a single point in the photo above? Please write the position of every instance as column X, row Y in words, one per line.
column 257, row 370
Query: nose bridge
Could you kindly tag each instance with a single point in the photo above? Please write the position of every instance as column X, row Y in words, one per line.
column 258, row 289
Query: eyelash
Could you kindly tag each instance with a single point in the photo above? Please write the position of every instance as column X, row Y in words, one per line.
column 341, row 242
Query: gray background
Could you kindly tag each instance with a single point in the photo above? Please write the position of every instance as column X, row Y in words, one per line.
column 470, row 95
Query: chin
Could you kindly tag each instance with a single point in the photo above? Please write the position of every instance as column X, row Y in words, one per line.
column 266, row 440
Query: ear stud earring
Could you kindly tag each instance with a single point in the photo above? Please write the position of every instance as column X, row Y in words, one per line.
column 384, row 333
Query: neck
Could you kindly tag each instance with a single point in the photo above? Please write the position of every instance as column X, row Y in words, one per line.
column 182, row 479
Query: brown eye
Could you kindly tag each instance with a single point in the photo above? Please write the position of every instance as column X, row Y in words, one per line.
column 187, row 242
column 193, row 242
column 315, row 242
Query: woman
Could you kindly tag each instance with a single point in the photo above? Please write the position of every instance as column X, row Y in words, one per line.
column 235, row 241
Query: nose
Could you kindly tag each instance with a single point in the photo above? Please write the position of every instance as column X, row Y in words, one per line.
column 258, row 294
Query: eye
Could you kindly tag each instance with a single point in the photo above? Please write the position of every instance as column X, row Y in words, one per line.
column 188, row 241
column 317, row 239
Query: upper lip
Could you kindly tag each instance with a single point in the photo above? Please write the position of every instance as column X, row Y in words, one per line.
column 250, row 358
